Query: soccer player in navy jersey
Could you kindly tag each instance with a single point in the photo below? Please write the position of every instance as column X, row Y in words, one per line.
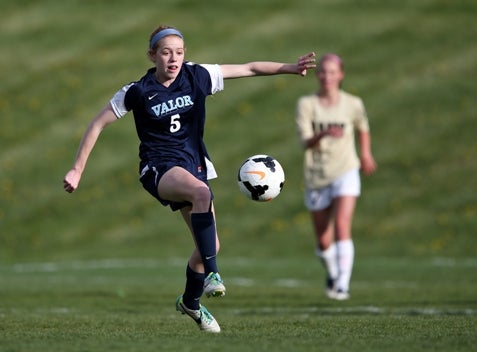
column 168, row 104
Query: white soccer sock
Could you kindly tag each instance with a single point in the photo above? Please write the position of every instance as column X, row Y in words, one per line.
column 328, row 259
column 345, row 254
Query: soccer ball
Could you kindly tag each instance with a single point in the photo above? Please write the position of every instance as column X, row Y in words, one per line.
column 261, row 178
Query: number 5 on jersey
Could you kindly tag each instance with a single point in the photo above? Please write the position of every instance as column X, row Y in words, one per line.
column 175, row 123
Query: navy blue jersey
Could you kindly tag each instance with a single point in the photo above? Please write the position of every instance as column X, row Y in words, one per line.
column 170, row 120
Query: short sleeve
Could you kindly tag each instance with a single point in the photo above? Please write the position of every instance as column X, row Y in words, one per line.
column 118, row 101
column 216, row 77
column 361, row 122
column 304, row 118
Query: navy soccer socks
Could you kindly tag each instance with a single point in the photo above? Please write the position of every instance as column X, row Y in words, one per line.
column 203, row 227
column 194, row 288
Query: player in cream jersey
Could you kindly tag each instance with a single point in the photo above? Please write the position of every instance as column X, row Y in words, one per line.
column 332, row 157
column 326, row 123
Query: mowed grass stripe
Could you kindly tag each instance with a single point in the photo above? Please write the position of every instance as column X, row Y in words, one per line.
column 236, row 262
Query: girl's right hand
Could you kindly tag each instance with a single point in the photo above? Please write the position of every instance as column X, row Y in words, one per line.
column 334, row 131
column 71, row 180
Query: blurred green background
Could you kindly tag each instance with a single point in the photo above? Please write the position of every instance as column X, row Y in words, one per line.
column 412, row 62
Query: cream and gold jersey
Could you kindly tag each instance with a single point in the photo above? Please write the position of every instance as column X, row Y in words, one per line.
column 331, row 157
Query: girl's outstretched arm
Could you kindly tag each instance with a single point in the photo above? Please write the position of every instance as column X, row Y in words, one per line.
column 265, row 68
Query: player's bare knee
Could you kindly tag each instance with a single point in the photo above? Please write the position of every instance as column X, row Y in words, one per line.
column 202, row 199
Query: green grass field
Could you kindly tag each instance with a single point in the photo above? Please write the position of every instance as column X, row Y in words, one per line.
column 99, row 270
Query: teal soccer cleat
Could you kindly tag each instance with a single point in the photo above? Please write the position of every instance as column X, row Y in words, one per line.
column 201, row 316
column 214, row 286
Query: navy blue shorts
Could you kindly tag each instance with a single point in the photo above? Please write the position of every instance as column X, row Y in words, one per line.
column 150, row 177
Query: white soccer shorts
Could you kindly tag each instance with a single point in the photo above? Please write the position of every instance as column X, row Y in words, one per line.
column 348, row 184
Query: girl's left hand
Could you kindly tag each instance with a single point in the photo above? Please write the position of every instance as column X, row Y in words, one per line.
column 306, row 62
column 368, row 165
